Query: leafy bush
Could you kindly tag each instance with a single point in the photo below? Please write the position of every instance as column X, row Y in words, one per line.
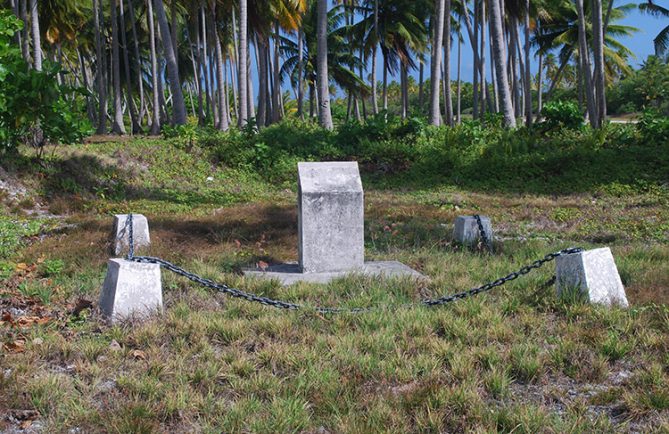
column 562, row 114
column 33, row 109
column 654, row 128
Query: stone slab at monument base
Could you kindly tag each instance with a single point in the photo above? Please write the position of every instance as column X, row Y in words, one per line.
column 289, row 273
column 131, row 290
column 594, row 274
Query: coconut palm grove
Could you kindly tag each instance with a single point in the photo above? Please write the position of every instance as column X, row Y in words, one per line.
column 334, row 216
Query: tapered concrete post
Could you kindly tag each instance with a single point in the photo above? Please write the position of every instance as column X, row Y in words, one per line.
column 467, row 231
column 594, row 274
column 330, row 217
column 140, row 233
column 131, row 290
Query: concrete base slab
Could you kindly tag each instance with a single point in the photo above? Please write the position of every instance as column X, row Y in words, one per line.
column 131, row 290
column 593, row 273
column 289, row 273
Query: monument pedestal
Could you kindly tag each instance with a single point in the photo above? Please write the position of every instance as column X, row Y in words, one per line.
column 331, row 229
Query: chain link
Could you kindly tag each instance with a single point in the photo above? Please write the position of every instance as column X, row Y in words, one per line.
column 280, row 304
column 485, row 239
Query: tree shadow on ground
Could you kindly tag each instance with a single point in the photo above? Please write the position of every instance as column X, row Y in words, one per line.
column 541, row 171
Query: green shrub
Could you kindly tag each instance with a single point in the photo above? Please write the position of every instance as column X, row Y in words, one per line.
column 33, row 108
column 562, row 114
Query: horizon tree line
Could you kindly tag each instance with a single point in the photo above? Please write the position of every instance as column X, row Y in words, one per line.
column 153, row 62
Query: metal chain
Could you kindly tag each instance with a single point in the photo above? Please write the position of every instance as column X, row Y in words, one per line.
column 487, row 241
column 280, row 304
column 501, row 281
column 131, row 237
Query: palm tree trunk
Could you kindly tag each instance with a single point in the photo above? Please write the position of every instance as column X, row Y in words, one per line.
column 528, row 73
column 385, row 84
column 251, row 110
column 322, row 65
column 300, row 74
column 173, row 27
column 138, row 62
column 37, row 43
column 195, row 60
column 155, row 121
column 477, row 62
column 311, row 100
column 540, row 86
column 223, row 116
column 135, row 127
column 375, row 102
column 212, row 80
column 598, row 50
column 178, row 105
column 204, row 60
column 404, row 82
column 276, row 67
column 459, row 91
column 270, row 84
column 421, row 84
column 585, row 65
column 435, row 111
column 513, row 50
column 261, row 57
column 243, row 63
column 15, row 10
column 117, row 124
column 90, row 109
column 484, row 84
column 100, row 69
column 448, row 102
column 233, row 85
column 235, row 64
column 25, row 39
column 499, row 50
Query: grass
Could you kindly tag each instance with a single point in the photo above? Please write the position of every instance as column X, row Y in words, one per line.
column 513, row 360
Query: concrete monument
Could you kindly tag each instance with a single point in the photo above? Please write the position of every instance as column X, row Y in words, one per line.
column 331, row 240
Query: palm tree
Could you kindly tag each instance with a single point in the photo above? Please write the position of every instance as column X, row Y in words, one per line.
column 499, row 53
column 322, row 65
column 155, row 120
column 37, row 42
column 135, row 127
column 435, row 112
column 178, row 105
column 100, row 69
column 341, row 62
column 243, row 61
column 561, row 32
column 661, row 41
column 117, row 124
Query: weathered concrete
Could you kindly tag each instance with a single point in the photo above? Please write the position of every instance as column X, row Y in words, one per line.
column 467, row 232
column 289, row 274
column 131, row 289
column 594, row 273
column 330, row 217
column 140, row 233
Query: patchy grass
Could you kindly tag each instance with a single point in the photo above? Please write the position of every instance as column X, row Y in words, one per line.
column 514, row 360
